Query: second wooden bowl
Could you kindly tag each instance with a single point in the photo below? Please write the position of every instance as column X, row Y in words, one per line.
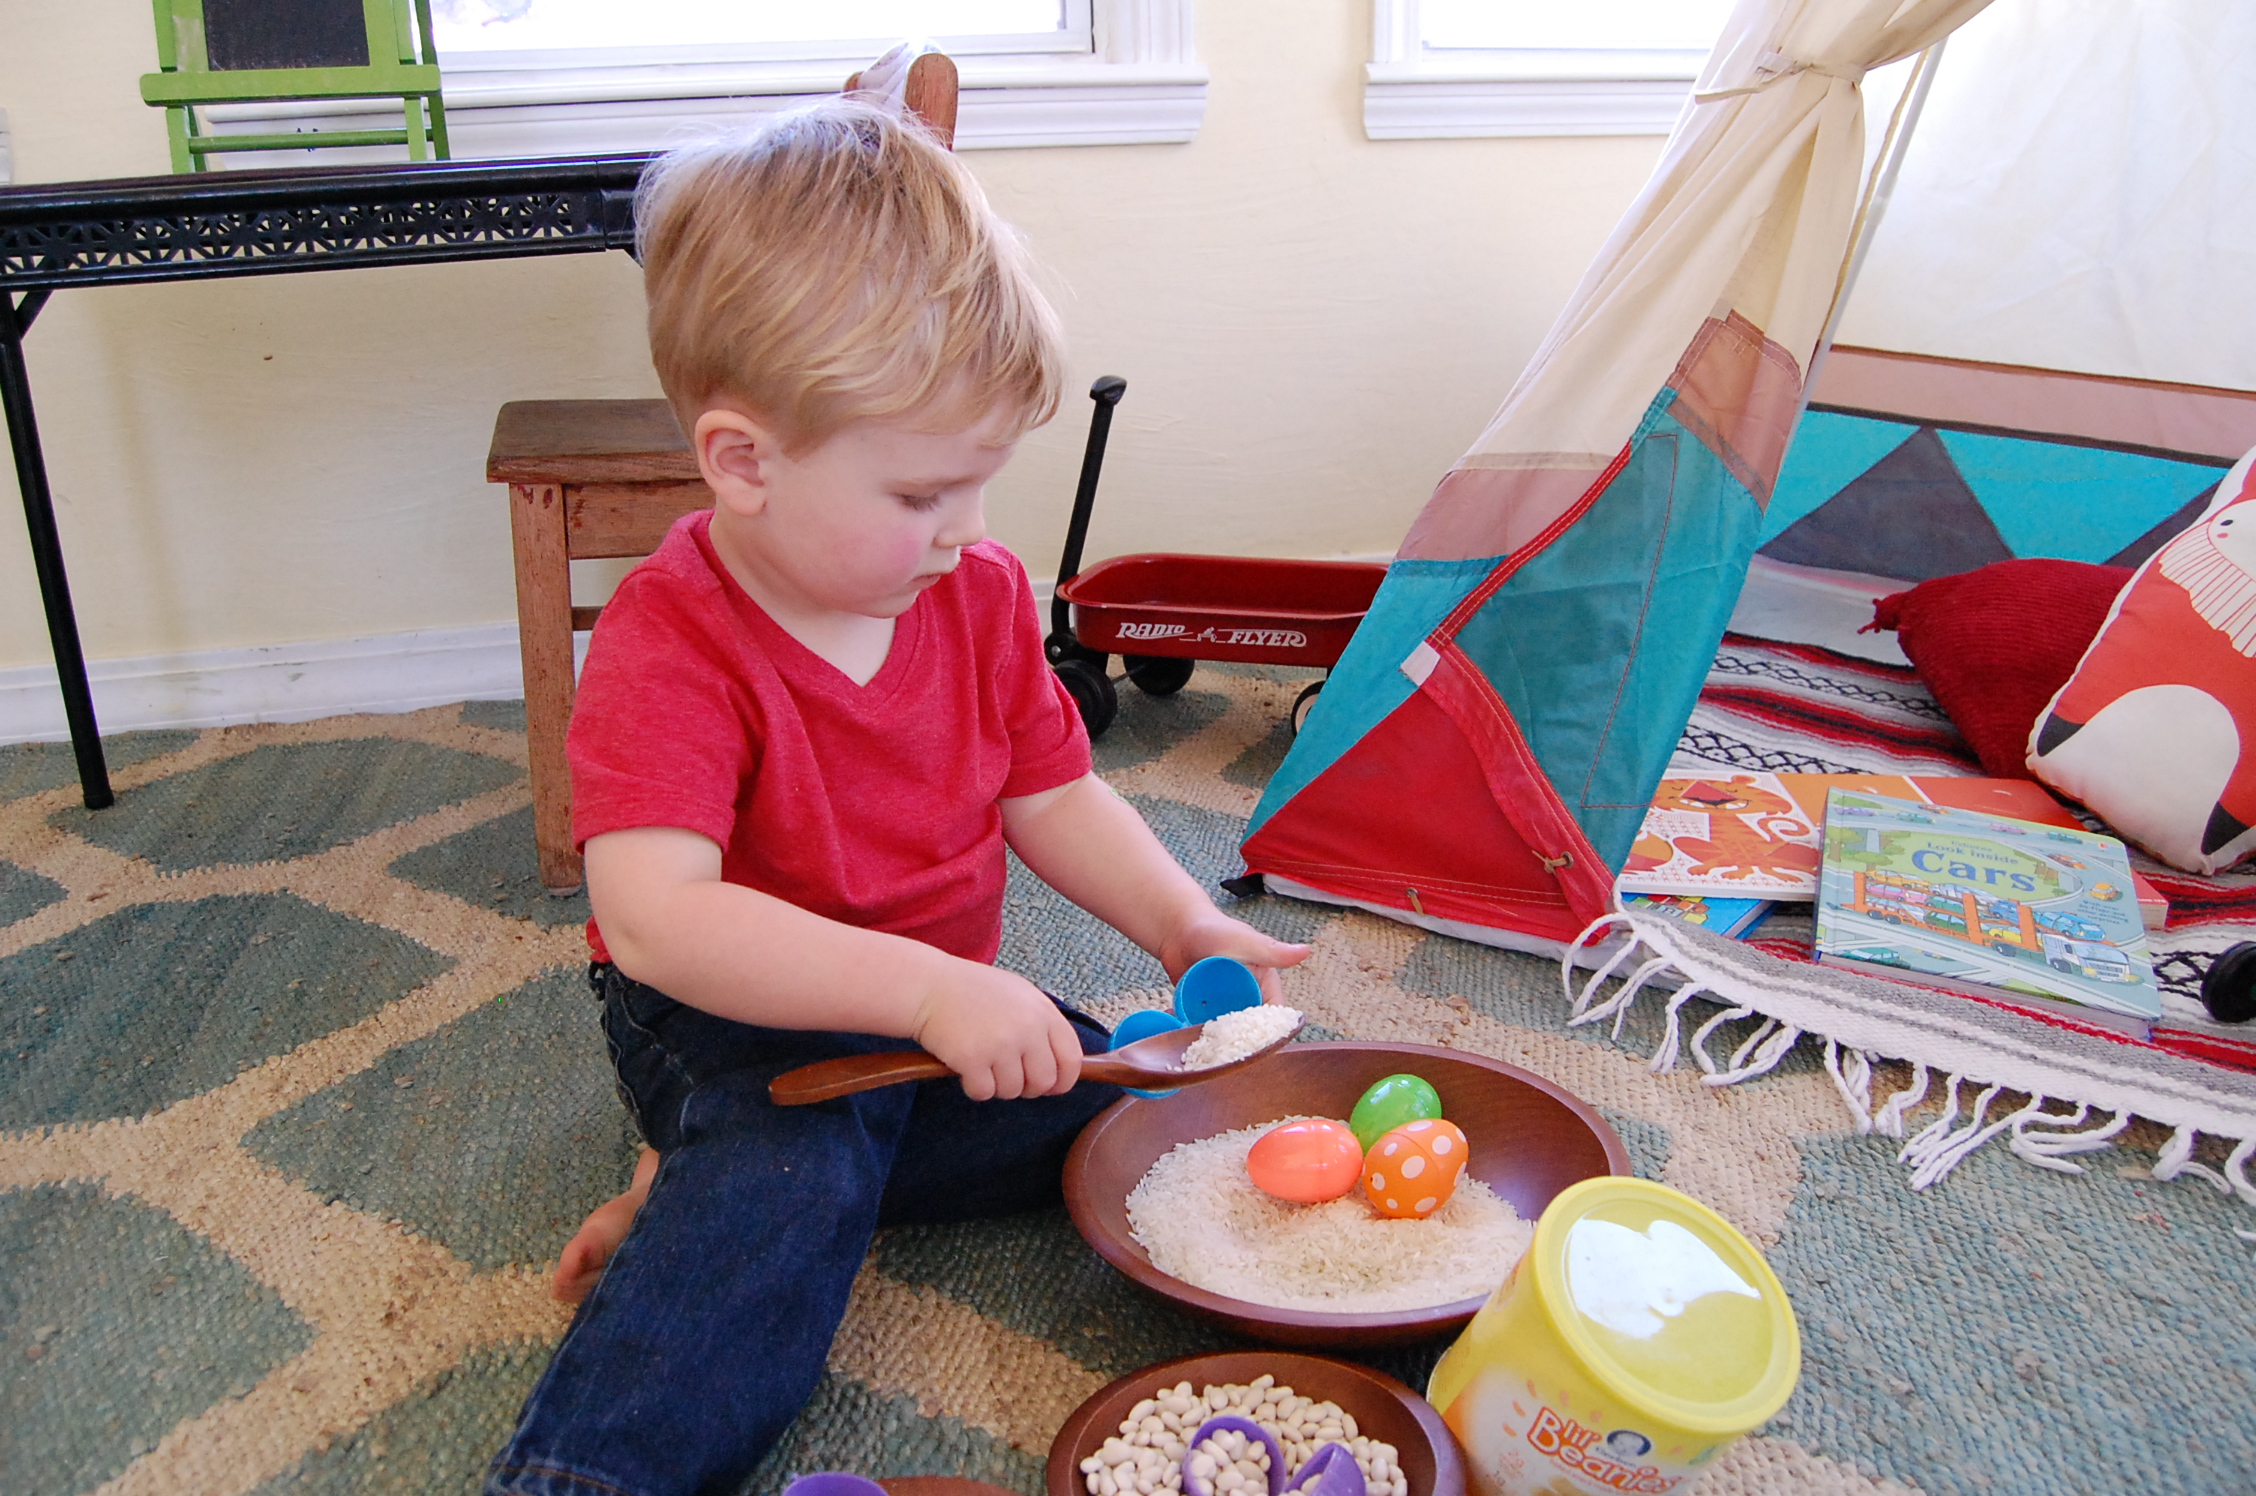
column 1383, row 1409
column 1530, row 1139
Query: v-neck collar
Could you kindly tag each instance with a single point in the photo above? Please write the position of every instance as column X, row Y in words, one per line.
column 804, row 665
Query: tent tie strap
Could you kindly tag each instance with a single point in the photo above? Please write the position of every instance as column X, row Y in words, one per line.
column 1774, row 65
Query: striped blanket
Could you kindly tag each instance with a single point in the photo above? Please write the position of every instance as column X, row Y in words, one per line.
column 2069, row 1087
column 1799, row 709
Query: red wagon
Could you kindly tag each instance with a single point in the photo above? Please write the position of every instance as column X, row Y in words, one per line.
column 1162, row 613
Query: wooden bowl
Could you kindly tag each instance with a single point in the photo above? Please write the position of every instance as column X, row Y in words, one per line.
column 1529, row 1138
column 1382, row 1407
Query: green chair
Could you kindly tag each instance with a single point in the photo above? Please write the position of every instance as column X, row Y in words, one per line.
column 248, row 51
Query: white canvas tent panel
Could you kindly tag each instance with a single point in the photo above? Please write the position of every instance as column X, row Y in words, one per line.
column 2080, row 195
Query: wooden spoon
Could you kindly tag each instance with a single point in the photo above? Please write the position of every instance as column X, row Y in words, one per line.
column 1147, row 1065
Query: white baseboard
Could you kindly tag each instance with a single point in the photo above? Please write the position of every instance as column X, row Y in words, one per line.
column 290, row 682
column 272, row 683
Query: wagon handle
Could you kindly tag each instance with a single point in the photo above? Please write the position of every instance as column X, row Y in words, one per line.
column 1105, row 394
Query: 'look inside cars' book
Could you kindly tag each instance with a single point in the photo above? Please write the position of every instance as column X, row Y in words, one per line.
column 2014, row 910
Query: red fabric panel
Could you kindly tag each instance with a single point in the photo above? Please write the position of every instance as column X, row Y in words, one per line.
column 1995, row 643
column 1519, row 785
column 1409, row 808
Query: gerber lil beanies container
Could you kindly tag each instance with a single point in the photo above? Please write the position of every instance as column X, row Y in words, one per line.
column 1638, row 1338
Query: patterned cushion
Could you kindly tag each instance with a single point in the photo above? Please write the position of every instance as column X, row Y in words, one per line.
column 2150, row 731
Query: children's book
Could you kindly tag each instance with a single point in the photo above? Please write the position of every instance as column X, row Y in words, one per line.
column 1757, row 835
column 2029, row 914
column 1736, row 918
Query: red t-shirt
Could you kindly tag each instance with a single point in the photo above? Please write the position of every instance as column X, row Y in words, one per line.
column 873, row 805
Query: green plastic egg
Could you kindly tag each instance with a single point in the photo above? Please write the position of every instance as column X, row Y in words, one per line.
column 1389, row 1104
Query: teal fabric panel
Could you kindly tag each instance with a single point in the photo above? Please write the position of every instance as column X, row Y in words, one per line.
column 1599, row 646
column 1368, row 684
column 1830, row 451
column 2076, row 503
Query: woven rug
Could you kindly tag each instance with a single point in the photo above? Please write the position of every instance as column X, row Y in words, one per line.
column 301, row 1092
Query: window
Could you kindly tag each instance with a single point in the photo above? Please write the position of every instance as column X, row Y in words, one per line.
column 1534, row 67
column 474, row 34
column 564, row 77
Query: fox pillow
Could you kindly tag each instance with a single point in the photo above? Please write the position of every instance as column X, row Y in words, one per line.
column 2156, row 730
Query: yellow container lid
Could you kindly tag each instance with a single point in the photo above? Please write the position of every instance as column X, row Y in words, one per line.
column 1666, row 1305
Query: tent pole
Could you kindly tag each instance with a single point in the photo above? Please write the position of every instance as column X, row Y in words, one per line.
column 1878, row 191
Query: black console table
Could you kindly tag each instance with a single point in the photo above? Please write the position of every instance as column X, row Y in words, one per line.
column 272, row 222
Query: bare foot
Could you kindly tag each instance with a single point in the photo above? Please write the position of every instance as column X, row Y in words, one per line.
column 600, row 1234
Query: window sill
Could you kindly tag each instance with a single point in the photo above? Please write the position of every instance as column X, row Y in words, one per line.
column 1005, row 103
column 1624, row 93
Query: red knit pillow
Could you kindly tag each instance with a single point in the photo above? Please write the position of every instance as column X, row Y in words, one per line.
column 1995, row 643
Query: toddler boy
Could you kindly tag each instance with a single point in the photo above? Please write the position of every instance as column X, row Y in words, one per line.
column 808, row 726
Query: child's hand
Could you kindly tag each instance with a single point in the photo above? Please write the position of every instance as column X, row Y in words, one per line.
column 997, row 1031
column 1210, row 932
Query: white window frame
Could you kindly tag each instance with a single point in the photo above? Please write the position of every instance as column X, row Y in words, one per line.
column 1140, row 83
column 1411, row 93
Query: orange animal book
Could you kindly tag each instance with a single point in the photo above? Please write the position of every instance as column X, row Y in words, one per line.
column 1756, row 836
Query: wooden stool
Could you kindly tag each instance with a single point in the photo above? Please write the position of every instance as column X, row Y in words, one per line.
column 586, row 478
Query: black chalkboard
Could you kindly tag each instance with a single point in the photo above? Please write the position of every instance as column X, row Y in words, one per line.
column 285, row 34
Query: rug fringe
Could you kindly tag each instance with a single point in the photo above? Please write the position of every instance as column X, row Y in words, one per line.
column 2049, row 1150
column 2036, row 1134
column 1889, row 1120
column 1853, row 1079
column 1767, row 1045
column 1617, row 1007
column 1664, row 1058
column 2177, row 1160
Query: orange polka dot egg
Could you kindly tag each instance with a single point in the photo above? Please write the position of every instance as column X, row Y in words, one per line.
column 1412, row 1171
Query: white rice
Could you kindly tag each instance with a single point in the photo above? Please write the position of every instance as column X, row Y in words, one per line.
column 1233, row 1036
column 1203, row 1221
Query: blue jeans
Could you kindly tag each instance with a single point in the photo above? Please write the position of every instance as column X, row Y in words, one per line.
column 711, row 1324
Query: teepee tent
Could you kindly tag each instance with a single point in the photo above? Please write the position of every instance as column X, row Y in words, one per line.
column 1485, row 751
column 2069, row 256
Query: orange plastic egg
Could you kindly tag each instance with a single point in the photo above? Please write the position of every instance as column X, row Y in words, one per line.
column 1412, row 1171
column 1306, row 1161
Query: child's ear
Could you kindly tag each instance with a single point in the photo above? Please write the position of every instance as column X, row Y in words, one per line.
column 733, row 451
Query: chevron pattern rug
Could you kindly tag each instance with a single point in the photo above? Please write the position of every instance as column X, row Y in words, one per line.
column 301, row 1091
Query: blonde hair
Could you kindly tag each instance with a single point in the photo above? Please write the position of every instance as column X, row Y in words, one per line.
column 835, row 265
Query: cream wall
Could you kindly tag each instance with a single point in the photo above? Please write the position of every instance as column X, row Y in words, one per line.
column 1312, row 325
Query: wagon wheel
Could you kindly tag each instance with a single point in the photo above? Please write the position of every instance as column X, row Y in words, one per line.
column 1304, row 703
column 1092, row 693
column 1159, row 675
